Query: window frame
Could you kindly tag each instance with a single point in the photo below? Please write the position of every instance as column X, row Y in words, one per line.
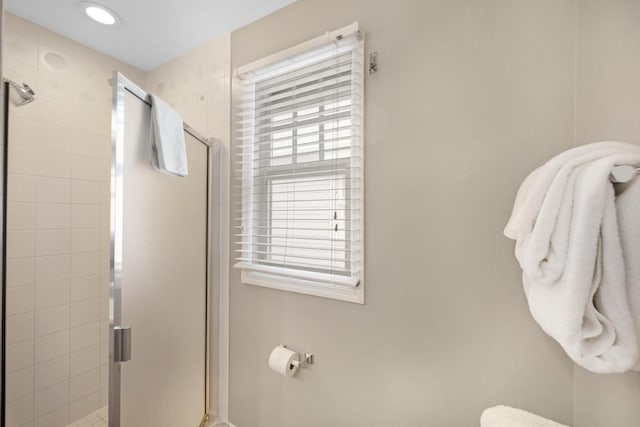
column 301, row 280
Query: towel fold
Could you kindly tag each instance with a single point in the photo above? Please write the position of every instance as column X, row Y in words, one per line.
column 569, row 246
column 505, row 416
column 168, row 151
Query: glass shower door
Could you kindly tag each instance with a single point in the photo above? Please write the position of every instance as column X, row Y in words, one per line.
column 159, row 291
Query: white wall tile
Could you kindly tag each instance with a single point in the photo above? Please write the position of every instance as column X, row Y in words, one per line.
column 85, row 216
column 52, row 43
column 51, row 320
column 105, row 283
column 85, row 336
column 52, row 294
column 85, row 192
column 90, row 65
column 51, row 398
column 54, row 164
column 89, row 144
column 105, row 217
column 51, row 372
column 20, row 300
column 19, row 384
column 54, row 118
column 21, row 216
column 20, row 328
column 52, row 242
column 105, row 261
column 84, row 406
column 87, row 168
column 104, row 308
column 23, row 160
column 83, row 385
column 20, row 244
column 84, row 360
column 104, row 374
column 105, row 193
column 51, row 346
column 106, row 148
column 52, row 268
column 85, row 240
column 85, row 264
column 57, row 418
column 104, row 342
column 21, row 41
column 50, row 216
column 84, row 312
column 85, row 287
column 22, row 132
column 92, row 119
column 105, row 243
column 19, row 356
column 104, row 398
column 20, row 411
column 53, row 190
column 53, row 85
column 91, row 95
column 105, row 170
column 52, row 137
column 21, row 188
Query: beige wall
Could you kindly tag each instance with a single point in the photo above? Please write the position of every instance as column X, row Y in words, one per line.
column 608, row 108
column 470, row 97
column 58, row 227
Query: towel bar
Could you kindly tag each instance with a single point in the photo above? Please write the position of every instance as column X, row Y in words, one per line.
column 623, row 174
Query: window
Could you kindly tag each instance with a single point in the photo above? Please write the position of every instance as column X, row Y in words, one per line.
column 300, row 167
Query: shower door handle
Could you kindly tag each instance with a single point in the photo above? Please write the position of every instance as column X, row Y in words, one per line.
column 122, row 343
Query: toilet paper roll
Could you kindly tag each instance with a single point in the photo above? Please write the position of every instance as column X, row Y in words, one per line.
column 284, row 361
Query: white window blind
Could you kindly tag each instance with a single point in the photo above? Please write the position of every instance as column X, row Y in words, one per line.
column 300, row 167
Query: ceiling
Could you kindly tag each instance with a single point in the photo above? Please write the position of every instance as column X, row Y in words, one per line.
column 152, row 32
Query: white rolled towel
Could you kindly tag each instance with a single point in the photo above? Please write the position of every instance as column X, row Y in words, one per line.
column 505, row 416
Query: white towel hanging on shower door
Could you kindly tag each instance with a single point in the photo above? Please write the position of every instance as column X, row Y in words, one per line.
column 168, row 151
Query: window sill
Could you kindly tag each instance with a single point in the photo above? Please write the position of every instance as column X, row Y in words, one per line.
column 336, row 292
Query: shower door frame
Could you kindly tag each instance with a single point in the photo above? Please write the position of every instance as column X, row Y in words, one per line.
column 120, row 86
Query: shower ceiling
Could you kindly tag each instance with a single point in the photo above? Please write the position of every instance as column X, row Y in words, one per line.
column 152, row 32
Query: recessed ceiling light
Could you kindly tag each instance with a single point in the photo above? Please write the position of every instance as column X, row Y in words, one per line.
column 99, row 13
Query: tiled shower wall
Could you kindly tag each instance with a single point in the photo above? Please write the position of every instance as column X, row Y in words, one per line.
column 58, row 229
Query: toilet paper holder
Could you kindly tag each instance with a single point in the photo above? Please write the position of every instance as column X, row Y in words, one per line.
column 307, row 358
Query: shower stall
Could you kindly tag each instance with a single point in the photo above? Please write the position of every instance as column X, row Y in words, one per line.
column 105, row 275
column 160, row 272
